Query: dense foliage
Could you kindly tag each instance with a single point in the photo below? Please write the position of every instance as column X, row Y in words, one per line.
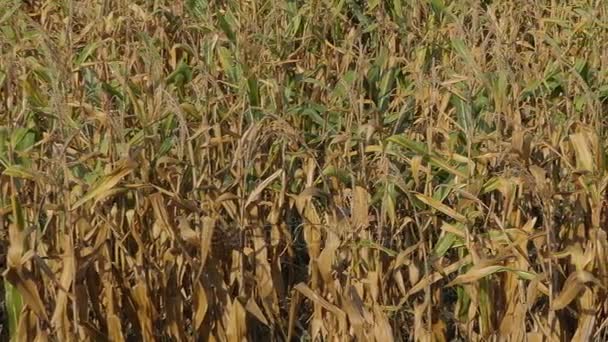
column 304, row 170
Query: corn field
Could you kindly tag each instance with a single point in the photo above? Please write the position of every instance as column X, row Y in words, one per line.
column 290, row 170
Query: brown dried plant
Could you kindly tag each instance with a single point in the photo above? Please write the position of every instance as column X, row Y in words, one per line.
column 285, row 170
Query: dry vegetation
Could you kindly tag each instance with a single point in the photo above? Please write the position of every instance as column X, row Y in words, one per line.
column 304, row 170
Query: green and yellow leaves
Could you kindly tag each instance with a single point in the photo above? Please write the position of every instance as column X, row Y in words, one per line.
column 13, row 304
column 104, row 186
column 479, row 272
column 197, row 8
column 433, row 157
column 304, row 170
column 181, row 75
column 435, row 204
column 23, row 172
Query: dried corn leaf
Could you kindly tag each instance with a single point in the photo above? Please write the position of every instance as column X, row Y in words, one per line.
column 572, row 288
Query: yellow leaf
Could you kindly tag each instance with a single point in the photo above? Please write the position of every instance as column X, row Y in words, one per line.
column 360, row 207
column 102, row 187
column 441, row 207
column 582, row 149
column 258, row 190
column 200, row 305
column 306, row 291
